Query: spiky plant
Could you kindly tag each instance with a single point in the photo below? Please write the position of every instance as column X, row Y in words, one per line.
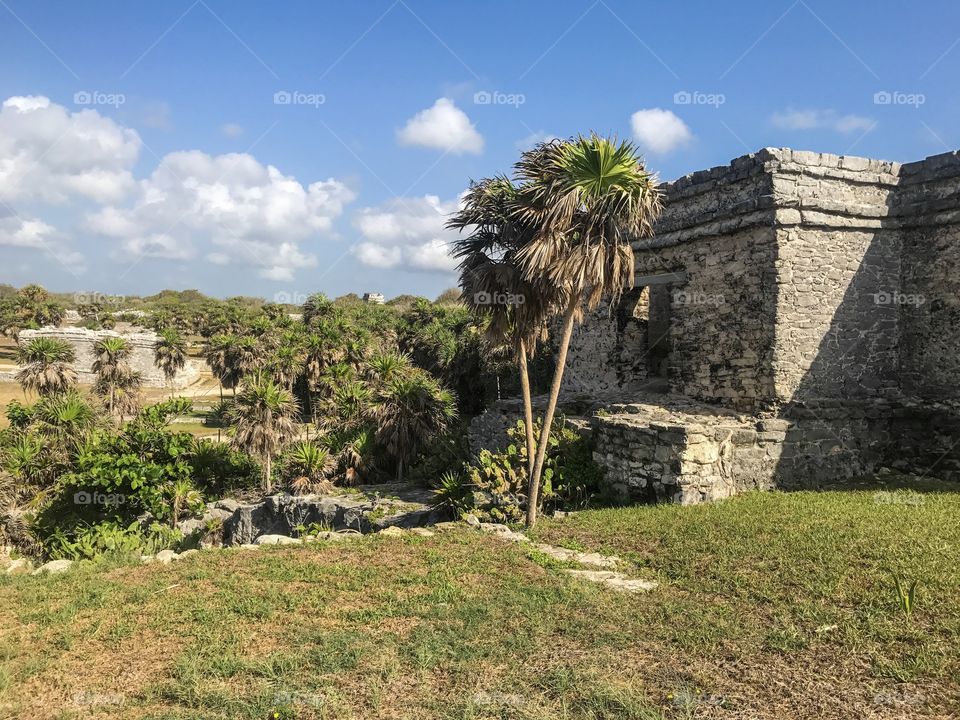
column 263, row 417
column 408, row 411
column 308, row 466
column 116, row 381
column 45, row 366
column 170, row 353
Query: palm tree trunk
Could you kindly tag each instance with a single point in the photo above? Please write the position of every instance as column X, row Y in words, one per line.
column 527, row 408
column 533, row 492
column 268, row 477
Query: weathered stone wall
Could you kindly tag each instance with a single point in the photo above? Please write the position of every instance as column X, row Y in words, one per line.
column 141, row 356
column 820, row 294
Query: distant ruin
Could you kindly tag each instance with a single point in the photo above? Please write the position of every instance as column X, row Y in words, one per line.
column 141, row 356
column 795, row 320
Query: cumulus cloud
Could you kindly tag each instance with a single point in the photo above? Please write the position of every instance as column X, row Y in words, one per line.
column 250, row 213
column 443, row 126
column 38, row 235
column 406, row 232
column 533, row 139
column 49, row 154
column 812, row 119
column 659, row 130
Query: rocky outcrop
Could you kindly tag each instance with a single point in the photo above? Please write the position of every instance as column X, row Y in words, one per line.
column 286, row 514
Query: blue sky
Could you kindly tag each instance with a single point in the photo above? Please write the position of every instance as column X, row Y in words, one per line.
column 280, row 148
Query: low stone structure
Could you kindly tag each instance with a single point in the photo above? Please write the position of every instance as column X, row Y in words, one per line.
column 141, row 355
column 795, row 320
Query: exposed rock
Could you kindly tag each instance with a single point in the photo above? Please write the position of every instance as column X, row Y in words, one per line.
column 165, row 557
column 188, row 553
column 503, row 532
column 471, row 520
column 54, row 567
column 566, row 555
column 615, row 580
column 283, row 514
column 276, row 540
column 19, row 566
column 392, row 531
column 422, row 532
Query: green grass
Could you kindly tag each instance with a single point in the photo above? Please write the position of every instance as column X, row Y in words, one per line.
column 770, row 606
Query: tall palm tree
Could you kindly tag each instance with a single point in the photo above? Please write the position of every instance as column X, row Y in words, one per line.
column 169, row 353
column 408, row 411
column 515, row 310
column 116, row 381
column 285, row 365
column 45, row 366
column 264, row 417
column 217, row 353
column 243, row 357
column 586, row 199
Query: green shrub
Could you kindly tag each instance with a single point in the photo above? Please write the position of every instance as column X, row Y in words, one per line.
column 90, row 541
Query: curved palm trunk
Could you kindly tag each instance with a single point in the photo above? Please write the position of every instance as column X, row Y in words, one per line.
column 527, row 408
column 268, row 476
column 533, row 493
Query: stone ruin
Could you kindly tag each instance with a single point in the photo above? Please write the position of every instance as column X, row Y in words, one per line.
column 795, row 321
column 141, row 355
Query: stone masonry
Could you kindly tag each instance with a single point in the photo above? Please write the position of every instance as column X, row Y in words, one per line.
column 795, row 321
column 141, row 356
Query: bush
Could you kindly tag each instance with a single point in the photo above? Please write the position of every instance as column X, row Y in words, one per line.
column 111, row 537
column 494, row 487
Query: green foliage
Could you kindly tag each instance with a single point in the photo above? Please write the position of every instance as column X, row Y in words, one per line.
column 497, row 481
column 112, row 537
column 218, row 468
column 906, row 594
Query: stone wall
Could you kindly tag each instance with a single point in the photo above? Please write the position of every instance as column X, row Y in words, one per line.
column 818, row 294
column 141, row 356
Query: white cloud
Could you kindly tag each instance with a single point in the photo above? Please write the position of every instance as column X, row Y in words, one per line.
column 443, row 126
column 659, row 130
column 407, row 232
column 39, row 235
column 250, row 213
column 811, row 119
column 49, row 154
column 231, row 130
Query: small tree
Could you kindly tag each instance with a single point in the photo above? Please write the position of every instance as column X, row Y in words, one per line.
column 169, row 353
column 45, row 366
column 409, row 410
column 263, row 417
column 116, row 381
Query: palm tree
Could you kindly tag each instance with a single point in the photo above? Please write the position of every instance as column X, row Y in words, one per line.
column 514, row 310
column 243, row 357
column 169, row 354
column 45, row 366
column 308, row 467
column 408, row 411
column 385, row 366
column 285, row 365
column 264, row 417
column 182, row 494
column 586, row 199
column 116, row 381
column 317, row 307
column 216, row 354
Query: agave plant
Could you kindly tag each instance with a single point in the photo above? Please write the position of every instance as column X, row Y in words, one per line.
column 45, row 366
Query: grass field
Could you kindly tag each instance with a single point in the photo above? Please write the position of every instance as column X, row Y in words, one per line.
column 770, row 606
